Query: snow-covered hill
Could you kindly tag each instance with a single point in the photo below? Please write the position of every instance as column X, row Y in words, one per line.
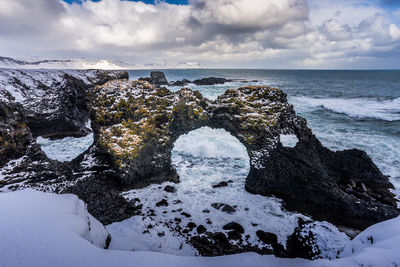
column 42, row 229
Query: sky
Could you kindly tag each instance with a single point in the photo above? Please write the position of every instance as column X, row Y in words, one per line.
column 309, row 34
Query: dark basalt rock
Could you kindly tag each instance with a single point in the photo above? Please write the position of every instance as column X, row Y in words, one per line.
column 201, row 229
column 313, row 180
column 234, row 226
column 181, row 83
column 156, row 78
column 191, row 225
column 221, row 184
column 169, row 189
column 54, row 102
column 163, row 202
column 15, row 136
column 223, row 207
column 268, row 238
column 22, row 162
column 210, row 81
column 302, row 243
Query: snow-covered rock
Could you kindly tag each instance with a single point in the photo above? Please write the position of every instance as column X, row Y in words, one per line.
column 64, row 212
column 42, row 229
column 378, row 242
column 54, row 101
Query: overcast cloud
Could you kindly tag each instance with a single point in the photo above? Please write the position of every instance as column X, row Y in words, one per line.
column 215, row 33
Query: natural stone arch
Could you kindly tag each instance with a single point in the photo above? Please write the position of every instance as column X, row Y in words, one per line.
column 135, row 126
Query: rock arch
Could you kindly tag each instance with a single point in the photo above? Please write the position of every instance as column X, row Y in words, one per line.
column 135, row 126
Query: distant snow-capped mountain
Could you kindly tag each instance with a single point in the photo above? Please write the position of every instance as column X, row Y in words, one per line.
column 104, row 64
column 7, row 62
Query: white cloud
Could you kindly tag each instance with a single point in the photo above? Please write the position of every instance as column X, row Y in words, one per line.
column 290, row 33
column 394, row 32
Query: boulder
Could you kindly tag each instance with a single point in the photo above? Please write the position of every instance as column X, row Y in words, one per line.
column 234, row 226
column 210, row 81
column 181, row 83
column 158, row 78
column 268, row 238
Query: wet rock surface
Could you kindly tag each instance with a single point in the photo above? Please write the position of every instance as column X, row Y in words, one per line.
column 157, row 78
column 210, row 81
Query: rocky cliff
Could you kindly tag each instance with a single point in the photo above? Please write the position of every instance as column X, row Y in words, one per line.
column 54, row 102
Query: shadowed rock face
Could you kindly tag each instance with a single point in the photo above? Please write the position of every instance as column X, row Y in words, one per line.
column 136, row 125
column 54, row 101
column 15, row 136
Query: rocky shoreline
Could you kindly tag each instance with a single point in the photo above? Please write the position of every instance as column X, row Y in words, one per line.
column 135, row 125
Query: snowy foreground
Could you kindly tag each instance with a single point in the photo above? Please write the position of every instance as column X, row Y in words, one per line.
column 43, row 229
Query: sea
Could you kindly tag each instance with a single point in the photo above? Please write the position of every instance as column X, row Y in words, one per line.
column 344, row 108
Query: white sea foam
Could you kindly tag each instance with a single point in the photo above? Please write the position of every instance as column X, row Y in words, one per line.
column 218, row 144
column 388, row 110
column 65, row 149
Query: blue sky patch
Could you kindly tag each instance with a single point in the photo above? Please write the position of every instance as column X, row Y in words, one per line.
column 178, row 2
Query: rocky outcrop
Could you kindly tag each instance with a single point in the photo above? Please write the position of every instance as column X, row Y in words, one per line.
column 210, row 81
column 15, row 136
column 343, row 187
column 27, row 99
column 22, row 163
column 136, row 125
column 181, row 83
column 156, row 78
column 54, row 102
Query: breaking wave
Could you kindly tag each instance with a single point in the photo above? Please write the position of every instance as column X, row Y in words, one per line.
column 388, row 110
column 210, row 143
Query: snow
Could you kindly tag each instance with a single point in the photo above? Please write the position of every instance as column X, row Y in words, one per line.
column 380, row 241
column 134, row 234
column 289, row 140
column 43, row 229
column 328, row 238
column 26, row 86
column 56, row 210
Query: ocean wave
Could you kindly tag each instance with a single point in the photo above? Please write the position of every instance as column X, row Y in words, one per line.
column 388, row 110
column 210, row 143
